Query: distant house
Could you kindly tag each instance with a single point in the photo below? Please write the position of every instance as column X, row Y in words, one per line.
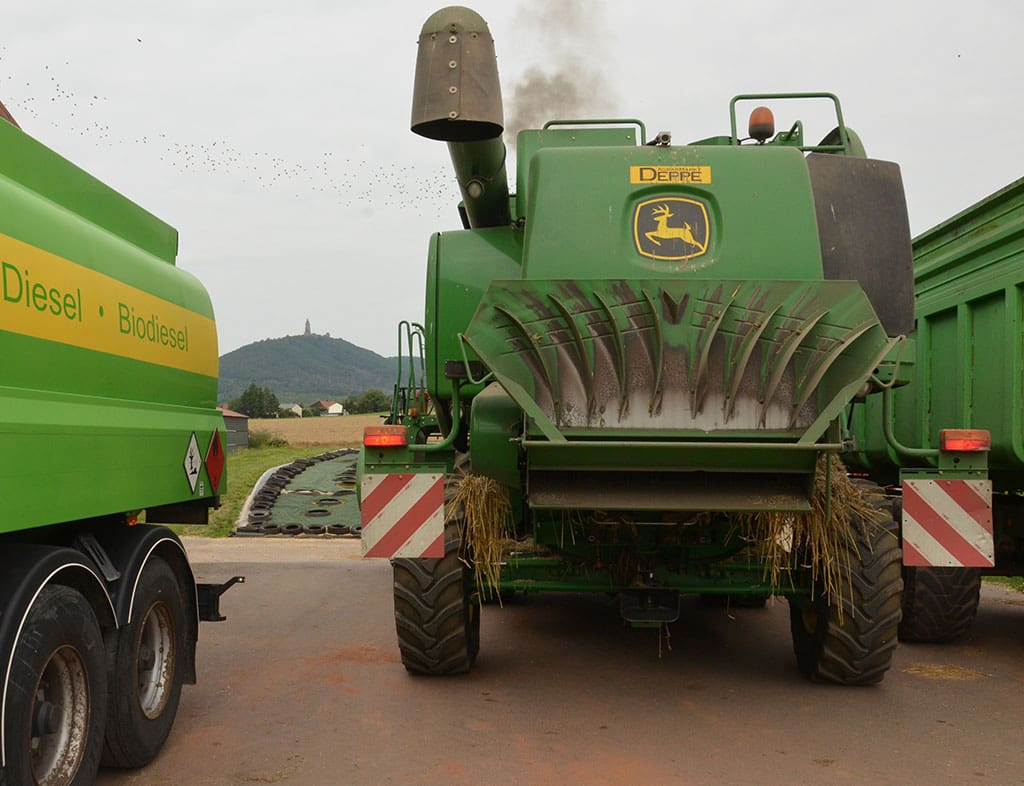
column 237, row 427
column 331, row 407
column 290, row 407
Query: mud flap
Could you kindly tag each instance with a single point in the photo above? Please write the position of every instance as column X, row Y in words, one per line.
column 403, row 515
column 947, row 523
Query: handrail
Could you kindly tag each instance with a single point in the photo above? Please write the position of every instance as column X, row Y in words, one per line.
column 413, row 335
column 888, row 430
column 453, row 432
column 844, row 136
column 603, row 121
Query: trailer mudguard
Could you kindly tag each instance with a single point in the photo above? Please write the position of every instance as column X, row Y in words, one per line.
column 129, row 550
column 25, row 569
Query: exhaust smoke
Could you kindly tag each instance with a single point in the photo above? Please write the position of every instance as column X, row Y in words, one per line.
column 573, row 83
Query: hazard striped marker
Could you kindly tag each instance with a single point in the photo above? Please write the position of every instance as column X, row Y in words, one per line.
column 403, row 515
column 948, row 523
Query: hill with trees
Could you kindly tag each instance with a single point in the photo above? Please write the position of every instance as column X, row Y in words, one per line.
column 305, row 368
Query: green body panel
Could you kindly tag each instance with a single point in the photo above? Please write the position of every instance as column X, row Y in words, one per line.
column 460, row 267
column 110, row 351
column 581, row 204
column 967, row 360
column 529, row 141
column 496, row 422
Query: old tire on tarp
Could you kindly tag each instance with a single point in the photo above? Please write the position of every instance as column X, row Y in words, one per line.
column 939, row 604
column 437, row 615
column 856, row 648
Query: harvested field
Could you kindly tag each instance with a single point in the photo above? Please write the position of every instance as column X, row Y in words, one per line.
column 343, row 431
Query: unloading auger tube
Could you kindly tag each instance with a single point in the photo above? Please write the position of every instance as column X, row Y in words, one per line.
column 649, row 349
column 457, row 99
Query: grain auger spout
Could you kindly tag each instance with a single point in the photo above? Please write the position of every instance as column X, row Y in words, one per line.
column 457, row 99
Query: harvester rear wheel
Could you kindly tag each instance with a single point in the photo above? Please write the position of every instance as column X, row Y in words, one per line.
column 437, row 615
column 856, row 646
column 939, row 604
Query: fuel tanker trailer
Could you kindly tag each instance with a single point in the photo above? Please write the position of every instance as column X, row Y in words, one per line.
column 107, row 419
column 636, row 369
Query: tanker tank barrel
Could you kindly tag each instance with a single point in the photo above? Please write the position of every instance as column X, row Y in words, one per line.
column 5, row 115
column 457, row 99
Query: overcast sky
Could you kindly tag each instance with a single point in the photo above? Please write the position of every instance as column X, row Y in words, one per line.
column 275, row 136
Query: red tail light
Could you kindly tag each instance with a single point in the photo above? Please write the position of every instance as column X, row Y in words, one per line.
column 965, row 440
column 385, row 436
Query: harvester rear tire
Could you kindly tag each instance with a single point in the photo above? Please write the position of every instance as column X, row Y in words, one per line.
column 939, row 604
column 436, row 615
column 856, row 648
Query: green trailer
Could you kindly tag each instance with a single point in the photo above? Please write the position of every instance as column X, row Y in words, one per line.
column 637, row 369
column 109, row 428
column 964, row 365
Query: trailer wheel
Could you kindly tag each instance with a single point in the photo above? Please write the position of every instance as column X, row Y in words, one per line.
column 56, row 701
column 145, row 675
column 939, row 604
column 437, row 612
column 856, row 648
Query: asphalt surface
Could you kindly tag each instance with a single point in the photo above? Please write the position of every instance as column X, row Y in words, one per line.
column 303, row 685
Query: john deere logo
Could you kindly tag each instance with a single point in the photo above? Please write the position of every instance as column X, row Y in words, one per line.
column 671, row 228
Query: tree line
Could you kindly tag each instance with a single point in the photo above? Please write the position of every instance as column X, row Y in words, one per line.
column 260, row 402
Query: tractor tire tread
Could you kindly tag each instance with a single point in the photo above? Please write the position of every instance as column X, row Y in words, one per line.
column 436, row 633
column 939, row 604
column 857, row 645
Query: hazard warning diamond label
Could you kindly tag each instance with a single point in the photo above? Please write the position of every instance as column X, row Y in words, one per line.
column 948, row 523
column 215, row 460
column 403, row 515
column 192, row 462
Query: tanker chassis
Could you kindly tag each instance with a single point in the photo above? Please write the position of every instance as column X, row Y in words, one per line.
column 638, row 375
column 107, row 418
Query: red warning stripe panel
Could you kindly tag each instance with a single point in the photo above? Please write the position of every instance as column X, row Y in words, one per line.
column 383, row 492
column 403, row 515
column 947, row 523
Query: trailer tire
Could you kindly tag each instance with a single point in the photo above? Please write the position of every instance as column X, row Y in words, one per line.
column 146, row 661
column 939, row 604
column 437, row 611
column 58, row 678
column 856, row 648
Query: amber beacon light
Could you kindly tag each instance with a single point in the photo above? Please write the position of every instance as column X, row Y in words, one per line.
column 762, row 124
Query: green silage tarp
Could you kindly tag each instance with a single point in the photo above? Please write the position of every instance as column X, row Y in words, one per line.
column 319, row 499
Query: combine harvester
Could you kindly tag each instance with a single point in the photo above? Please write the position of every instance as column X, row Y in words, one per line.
column 108, row 417
column 639, row 369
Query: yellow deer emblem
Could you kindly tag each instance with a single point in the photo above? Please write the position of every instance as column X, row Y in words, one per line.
column 661, row 214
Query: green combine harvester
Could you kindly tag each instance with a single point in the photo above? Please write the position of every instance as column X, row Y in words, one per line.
column 107, row 419
column 638, row 374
